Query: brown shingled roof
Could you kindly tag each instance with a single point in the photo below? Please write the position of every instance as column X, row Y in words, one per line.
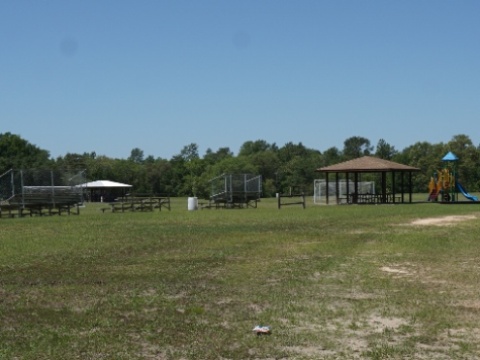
column 367, row 164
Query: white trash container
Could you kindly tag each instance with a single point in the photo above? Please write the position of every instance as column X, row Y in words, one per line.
column 192, row 203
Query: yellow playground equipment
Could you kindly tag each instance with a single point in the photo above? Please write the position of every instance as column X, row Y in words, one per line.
column 441, row 184
column 445, row 183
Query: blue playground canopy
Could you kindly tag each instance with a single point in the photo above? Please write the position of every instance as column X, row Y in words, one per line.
column 450, row 157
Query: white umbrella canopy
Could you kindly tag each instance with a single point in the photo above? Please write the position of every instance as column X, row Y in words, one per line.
column 98, row 184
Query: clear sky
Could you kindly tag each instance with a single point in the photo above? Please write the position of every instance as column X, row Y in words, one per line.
column 112, row 75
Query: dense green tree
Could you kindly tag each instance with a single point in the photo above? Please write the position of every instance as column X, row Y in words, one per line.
column 136, row 156
column 127, row 172
column 355, row 147
column 185, row 169
column 290, row 151
column 17, row 153
column 191, row 179
column 297, row 168
column 426, row 157
column 189, row 152
column 234, row 165
column 101, row 168
column 161, row 178
column 75, row 161
column 211, row 157
column 330, row 156
column 468, row 161
column 249, row 148
column 460, row 143
column 149, row 159
column 267, row 165
column 385, row 150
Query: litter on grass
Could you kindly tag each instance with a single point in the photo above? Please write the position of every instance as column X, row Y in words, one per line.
column 262, row 330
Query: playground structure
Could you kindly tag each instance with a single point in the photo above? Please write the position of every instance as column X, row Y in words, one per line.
column 235, row 191
column 444, row 184
column 40, row 192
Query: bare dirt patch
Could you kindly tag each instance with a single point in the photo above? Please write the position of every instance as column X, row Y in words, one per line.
column 395, row 270
column 380, row 323
column 443, row 221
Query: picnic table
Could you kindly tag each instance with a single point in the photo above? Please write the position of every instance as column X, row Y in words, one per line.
column 138, row 203
column 373, row 198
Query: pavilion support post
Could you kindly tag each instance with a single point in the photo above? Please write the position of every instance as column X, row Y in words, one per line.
column 393, row 187
column 347, row 183
column 384, row 187
column 326, row 190
column 402, row 180
column 337, row 188
column 355, row 188
column 410, row 190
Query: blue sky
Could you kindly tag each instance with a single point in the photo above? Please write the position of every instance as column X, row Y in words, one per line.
column 112, row 75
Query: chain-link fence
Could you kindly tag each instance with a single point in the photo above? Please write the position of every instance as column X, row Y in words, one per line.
column 20, row 183
column 232, row 188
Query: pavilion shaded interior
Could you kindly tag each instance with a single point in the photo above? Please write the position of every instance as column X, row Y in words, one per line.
column 369, row 164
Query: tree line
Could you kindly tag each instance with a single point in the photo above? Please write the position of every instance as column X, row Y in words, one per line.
column 291, row 165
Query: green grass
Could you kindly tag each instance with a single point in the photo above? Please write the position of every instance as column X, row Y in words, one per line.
column 332, row 281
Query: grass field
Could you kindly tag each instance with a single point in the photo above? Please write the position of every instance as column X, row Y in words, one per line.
column 332, row 282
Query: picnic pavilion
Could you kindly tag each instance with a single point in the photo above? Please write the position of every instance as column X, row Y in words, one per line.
column 104, row 190
column 399, row 186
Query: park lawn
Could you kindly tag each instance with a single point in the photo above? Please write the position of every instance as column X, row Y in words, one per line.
column 332, row 282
